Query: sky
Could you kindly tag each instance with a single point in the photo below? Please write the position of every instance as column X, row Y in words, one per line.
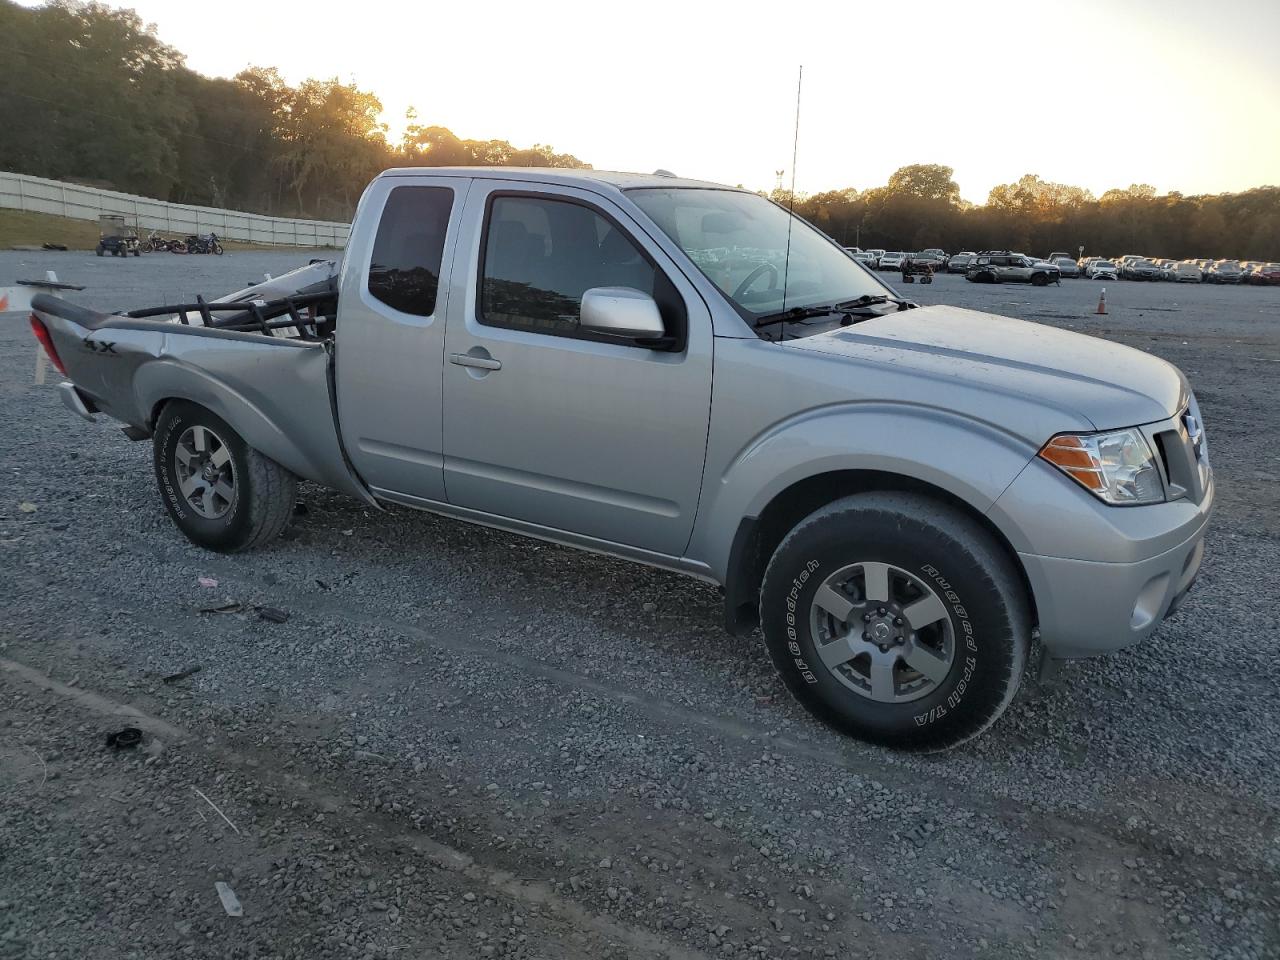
column 1181, row 95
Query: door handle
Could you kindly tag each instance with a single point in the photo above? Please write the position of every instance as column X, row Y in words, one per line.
column 483, row 361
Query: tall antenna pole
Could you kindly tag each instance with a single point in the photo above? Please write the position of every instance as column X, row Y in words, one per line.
column 791, row 207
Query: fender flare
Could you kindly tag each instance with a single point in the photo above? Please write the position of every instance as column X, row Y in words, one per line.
column 873, row 445
column 311, row 451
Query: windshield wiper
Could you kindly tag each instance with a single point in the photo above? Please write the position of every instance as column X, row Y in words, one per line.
column 847, row 307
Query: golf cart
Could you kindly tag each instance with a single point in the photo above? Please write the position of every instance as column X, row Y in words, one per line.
column 117, row 236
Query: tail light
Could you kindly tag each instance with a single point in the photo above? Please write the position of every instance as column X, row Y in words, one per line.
column 46, row 341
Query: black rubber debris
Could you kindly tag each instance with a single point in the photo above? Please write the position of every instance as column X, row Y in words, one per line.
column 124, row 739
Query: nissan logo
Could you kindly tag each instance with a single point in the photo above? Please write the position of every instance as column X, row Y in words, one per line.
column 1195, row 432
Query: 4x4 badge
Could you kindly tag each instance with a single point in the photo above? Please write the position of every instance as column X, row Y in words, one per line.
column 101, row 346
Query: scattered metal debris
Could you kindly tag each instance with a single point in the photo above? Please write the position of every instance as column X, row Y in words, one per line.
column 272, row 614
column 231, row 606
column 216, row 810
column 182, row 674
column 230, row 902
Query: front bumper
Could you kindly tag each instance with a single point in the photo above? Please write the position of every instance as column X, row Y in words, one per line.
column 1086, row 607
column 1102, row 578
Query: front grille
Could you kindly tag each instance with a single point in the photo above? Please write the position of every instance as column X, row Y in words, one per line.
column 1184, row 455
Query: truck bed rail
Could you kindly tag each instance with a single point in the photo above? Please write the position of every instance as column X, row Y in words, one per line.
column 310, row 314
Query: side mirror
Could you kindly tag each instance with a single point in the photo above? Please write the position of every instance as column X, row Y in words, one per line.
column 621, row 312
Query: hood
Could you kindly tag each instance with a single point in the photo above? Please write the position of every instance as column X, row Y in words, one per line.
column 1107, row 384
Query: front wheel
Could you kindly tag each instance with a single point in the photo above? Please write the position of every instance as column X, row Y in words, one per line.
column 221, row 493
column 217, row 248
column 896, row 619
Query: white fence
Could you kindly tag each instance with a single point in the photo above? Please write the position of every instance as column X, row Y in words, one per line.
column 37, row 195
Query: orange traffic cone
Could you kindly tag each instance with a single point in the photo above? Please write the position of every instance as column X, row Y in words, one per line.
column 1102, row 302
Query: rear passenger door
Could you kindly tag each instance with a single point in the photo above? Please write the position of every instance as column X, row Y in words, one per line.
column 553, row 426
column 390, row 335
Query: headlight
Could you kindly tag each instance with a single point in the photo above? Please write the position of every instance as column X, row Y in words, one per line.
column 1116, row 467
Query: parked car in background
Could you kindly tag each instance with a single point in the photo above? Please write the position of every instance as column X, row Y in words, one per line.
column 929, row 259
column 891, row 260
column 877, row 253
column 1012, row 268
column 959, row 262
column 935, row 252
column 1186, row 271
column 1066, row 266
column 1102, row 270
column 1224, row 271
column 1266, row 274
column 866, row 258
column 1053, row 257
column 1139, row 270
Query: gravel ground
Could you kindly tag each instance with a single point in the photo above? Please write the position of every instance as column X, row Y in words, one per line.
column 463, row 743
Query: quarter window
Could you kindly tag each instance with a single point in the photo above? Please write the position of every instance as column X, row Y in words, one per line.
column 541, row 255
column 409, row 247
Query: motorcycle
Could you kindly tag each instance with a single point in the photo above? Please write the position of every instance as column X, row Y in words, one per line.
column 160, row 244
column 204, row 244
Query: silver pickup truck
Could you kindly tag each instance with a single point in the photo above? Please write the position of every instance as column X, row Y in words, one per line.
column 684, row 375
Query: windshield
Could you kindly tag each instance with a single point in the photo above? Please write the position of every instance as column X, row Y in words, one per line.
column 739, row 240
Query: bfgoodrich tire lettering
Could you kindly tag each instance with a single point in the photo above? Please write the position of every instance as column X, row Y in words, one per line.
column 980, row 630
column 255, row 495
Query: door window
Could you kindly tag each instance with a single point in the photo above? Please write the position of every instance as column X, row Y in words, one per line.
column 542, row 254
column 409, row 247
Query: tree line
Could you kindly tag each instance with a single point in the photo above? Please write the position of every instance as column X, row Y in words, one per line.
column 91, row 94
column 920, row 207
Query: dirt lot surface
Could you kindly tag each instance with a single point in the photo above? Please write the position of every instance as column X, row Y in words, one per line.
column 466, row 744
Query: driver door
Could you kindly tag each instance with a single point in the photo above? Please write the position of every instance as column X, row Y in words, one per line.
column 557, row 428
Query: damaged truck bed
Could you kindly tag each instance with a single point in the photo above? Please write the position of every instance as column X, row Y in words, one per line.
column 260, row 358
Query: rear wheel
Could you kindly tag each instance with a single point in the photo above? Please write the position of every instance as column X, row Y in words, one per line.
column 1039, row 280
column 896, row 619
column 221, row 493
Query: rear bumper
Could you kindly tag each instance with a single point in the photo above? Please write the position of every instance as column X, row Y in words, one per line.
column 73, row 401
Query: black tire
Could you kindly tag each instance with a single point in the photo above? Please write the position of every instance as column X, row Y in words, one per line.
column 99, row 250
column 263, row 491
column 975, row 581
column 217, row 249
column 1039, row 279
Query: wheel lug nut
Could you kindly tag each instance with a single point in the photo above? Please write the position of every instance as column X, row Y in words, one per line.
column 882, row 611
column 899, row 640
column 866, row 635
column 866, row 618
column 897, row 621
